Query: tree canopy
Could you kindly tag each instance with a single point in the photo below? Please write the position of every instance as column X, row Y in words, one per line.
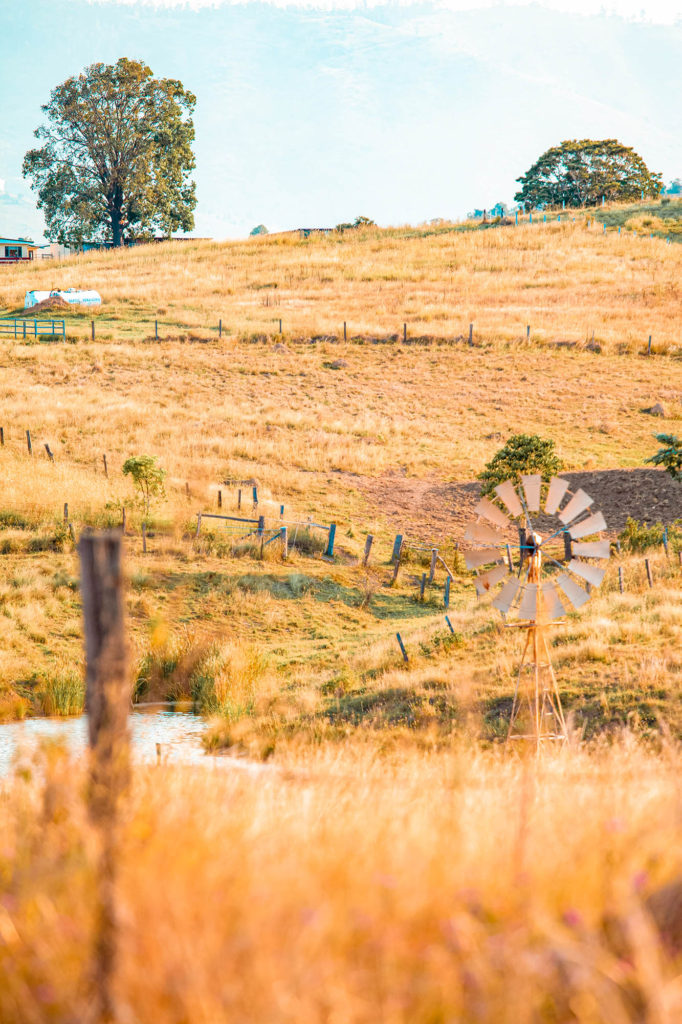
column 116, row 155
column 581, row 172
column 523, row 453
column 669, row 456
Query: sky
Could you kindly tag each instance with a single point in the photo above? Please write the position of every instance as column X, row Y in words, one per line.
column 309, row 114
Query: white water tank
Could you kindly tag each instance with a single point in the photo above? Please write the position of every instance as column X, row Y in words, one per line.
column 73, row 296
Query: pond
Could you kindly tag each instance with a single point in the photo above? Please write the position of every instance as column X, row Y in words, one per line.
column 178, row 732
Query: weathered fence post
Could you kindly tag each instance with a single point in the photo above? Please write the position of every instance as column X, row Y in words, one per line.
column 198, row 524
column 620, row 579
column 471, row 334
column 66, row 511
column 329, row 553
column 402, row 648
column 220, row 328
column 397, row 547
column 527, row 332
column 404, row 333
column 261, row 525
column 648, row 348
column 239, row 498
column 648, row 572
column 28, row 442
column 285, row 542
column 449, row 624
column 396, row 569
column 220, row 499
column 107, row 699
column 2, row 436
column 432, row 568
column 92, row 329
column 104, row 461
column 280, row 327
column 368, row 548
column 446, row 596
column 345, row 335
column 156, row 330
column 422, row 587
column 665, row 541
column 255, row 497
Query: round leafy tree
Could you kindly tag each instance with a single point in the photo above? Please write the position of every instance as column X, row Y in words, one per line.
column 669, row 456
column 148, row 477
column 581, row 172
column 523, row 453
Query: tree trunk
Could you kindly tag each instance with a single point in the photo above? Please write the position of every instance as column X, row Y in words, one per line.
column 116, row 228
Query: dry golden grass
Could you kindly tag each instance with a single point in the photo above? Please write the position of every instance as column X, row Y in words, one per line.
column 339, row 886
column 567, row 281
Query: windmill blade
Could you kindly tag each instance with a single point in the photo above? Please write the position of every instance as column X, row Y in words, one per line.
column 491, row 512
column 593, row 549
column 507, row 492
column 575, row 594
column 531, row 488
column 593, row 524
column 528, row 609
column 592, row 573
column 481, row 533
column 551, row 602
column 578, row 503
column 490, row 578
column 506, row 596
column 481, row 556
column 557, row 489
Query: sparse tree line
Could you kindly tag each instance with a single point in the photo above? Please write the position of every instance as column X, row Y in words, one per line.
column 116, row 159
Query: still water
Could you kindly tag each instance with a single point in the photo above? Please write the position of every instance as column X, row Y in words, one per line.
column 178, row 732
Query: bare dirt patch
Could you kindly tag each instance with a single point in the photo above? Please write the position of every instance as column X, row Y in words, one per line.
column 430, row 509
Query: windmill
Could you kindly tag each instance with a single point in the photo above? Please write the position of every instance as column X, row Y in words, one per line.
column 550, row 570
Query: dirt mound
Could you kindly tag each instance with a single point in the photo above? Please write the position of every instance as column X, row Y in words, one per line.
column 55, row 304
column 429, row 509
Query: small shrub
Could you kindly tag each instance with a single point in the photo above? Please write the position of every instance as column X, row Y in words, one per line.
column 669, row 456
column 523, row 453
column 639, row 536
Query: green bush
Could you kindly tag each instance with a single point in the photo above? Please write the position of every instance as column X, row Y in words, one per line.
column 522, row 454
column 669, row 456
column 639, row 536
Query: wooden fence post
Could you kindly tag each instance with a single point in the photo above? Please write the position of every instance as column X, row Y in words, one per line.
column 220, row 499
column 620, row 578
column 446, row 596
column 107, row 698
column 397, row 547
column 92, row 329
column 255, row 497
column 648, row 572
column 396, row 569
column 104, row 461
column 239, row 498
column 471, row 334
column 527, row 332
column 368, row 548
column 665, row 541
column 404, row 333
column 198, row 524
column 432, row 568
column 648, row 348
column 220, row 328
column 345, row 335
column 156, row 330
column 285, row 543
column 402, row 648
column 422, row 587
column 2, row 436
column 50, row 455
column 329, row 553
column 66, row 511
column 261, row 525
column 28, row 442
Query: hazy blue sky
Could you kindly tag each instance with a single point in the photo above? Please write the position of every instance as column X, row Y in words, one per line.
column 308, row 115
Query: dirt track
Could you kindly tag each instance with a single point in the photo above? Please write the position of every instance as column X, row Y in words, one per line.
column 429, row 509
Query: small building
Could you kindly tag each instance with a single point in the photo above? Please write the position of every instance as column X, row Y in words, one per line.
column 17, row 250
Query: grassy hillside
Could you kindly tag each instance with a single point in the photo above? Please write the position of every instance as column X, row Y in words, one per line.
column 377, row 438
column 566, row 280
column 374, row 855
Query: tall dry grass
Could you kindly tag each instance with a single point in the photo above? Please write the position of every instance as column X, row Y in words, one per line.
column 342, row 886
